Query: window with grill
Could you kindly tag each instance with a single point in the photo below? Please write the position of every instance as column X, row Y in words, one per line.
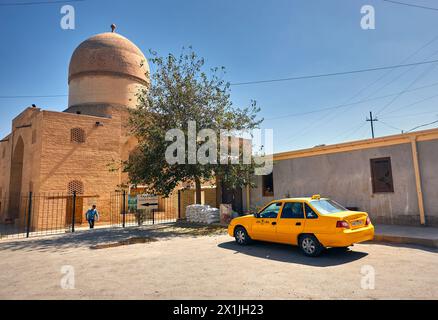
column 77, row 135
column 75, row 186
column 381, row 175
column 268, row 185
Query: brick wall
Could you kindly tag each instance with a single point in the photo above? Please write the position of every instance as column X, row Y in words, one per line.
column 187, row 197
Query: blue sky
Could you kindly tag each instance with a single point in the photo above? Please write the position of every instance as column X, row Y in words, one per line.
column 254, row 40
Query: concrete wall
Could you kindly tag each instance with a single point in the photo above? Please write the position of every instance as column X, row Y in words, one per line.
column 257, row 200
column 428, row 159
column 346, row 177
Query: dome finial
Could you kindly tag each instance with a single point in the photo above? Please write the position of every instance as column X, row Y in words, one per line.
column 113, row 28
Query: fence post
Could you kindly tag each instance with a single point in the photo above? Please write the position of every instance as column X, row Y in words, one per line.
column 73, row 217
column 153, row 216
column 29, row 212
column 124, row 209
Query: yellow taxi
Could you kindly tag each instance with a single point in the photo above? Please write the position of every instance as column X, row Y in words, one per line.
column 311, row 223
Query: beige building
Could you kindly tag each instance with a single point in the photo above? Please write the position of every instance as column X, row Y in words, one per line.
column 393, row 178
column 62, row 152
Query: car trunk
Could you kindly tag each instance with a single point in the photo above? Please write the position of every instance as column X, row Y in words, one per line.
column 356, row 220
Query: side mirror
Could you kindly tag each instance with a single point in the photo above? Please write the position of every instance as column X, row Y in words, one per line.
column 257, row 215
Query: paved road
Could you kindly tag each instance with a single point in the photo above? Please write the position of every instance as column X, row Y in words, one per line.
column 180, row 265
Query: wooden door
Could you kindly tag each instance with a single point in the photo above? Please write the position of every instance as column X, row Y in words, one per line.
column 79, row 214
column 233, row 197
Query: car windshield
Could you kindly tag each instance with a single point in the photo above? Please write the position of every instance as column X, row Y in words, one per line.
column 327, row 206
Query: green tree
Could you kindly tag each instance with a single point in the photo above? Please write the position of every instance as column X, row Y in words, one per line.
column 181, row 91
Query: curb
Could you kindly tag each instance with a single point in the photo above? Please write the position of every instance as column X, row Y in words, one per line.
column 431, row 243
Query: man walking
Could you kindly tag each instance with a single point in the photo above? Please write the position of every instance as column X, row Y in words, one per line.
column 92, row 215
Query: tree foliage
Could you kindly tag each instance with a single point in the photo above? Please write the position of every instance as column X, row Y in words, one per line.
column 181, row 91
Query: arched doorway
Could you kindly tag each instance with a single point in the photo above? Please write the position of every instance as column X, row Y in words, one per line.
column 16, row 180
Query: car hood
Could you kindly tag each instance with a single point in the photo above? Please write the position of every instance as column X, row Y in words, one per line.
column 242, row 218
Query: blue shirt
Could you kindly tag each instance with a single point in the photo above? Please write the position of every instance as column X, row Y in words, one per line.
column 92, row 214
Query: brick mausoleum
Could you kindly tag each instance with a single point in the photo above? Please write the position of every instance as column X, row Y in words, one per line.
column 49, row 151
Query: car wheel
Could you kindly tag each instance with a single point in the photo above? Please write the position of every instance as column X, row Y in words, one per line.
column 241, row 236
column 310, row 246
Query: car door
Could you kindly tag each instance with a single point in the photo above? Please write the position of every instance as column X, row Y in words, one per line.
column 265, row 226
column 291, row 222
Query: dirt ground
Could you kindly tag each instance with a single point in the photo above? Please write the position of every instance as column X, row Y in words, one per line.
column 174, row 262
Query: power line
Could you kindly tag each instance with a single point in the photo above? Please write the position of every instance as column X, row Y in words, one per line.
column 394, row 79
column 16, row 4
column 58, row 95
column 412, row 104
column 412, row 115
column 391, row 126
column 267, row 119
column 358, row 102
column 355, row 103
column 27, row 97
column 422, row 75
column 413, row 54
column 362, row 134
column 423, row 125
column 348, row 132
column 411, row 5
column 356, row 129
column 277, row 80
column 351, row 131
column 323, row 75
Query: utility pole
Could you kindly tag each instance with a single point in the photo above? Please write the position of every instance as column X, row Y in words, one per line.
column 372, row 120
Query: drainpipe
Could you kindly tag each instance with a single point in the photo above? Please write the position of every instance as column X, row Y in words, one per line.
column 418, row 180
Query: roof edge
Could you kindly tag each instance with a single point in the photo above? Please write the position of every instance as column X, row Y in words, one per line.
column 423, row 135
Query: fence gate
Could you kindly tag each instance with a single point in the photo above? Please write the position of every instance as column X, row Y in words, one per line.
column 58, row 213
column 137, row 209
column 42, row 214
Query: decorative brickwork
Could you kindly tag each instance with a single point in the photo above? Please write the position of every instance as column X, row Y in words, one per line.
column 77, row 135
column 75, row 186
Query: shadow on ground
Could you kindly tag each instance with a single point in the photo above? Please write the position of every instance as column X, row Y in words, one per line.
column 291, row 254
column 403, row 245
column 90, row 238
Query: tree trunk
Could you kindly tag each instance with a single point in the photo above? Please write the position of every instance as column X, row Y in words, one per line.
column 198, row 190
column 218, row 191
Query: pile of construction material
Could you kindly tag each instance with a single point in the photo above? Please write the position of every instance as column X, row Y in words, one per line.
column 202, row 214
column 226, row 211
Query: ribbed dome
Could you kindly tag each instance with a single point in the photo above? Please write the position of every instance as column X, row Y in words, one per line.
column 109, row 54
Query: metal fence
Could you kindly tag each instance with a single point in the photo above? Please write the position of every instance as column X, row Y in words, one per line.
column 126, row 210
column 37, row 214
column 24, row 216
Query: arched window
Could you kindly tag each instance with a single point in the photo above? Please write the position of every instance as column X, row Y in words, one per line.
column 77, row 135
column 77, row 186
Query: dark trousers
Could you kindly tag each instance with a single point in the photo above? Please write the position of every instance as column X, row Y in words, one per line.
column 91, row 223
